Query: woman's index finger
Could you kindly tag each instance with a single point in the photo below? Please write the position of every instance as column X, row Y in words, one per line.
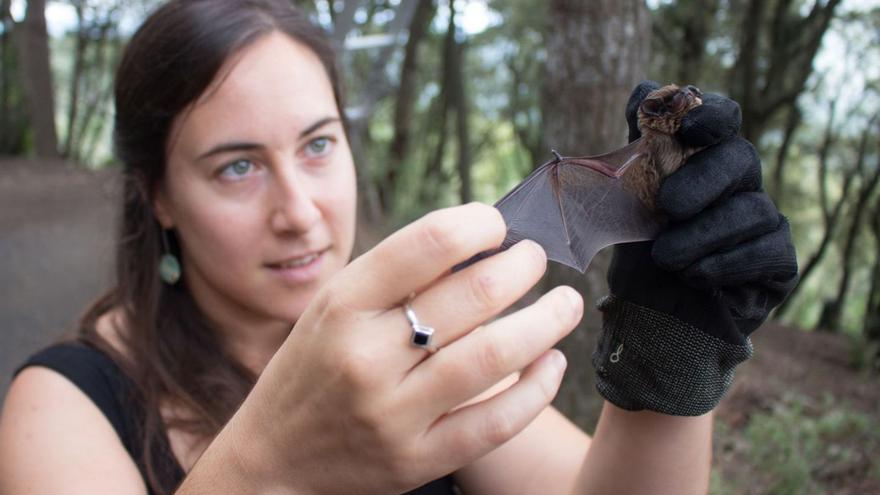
column 418, row 254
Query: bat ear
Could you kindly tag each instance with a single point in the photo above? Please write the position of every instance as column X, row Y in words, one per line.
column 694, row 90
column 653, row 107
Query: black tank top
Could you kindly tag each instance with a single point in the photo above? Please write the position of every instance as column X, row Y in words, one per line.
column 104, row 382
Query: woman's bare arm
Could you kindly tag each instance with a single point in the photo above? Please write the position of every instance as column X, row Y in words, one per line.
column 544, row 458
column 647, row 452
column 54, row 439
column 631, row 453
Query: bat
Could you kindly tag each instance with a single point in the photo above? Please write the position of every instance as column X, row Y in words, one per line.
column 575, row 206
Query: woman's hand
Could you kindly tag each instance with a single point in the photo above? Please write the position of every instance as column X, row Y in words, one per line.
column 348, row 405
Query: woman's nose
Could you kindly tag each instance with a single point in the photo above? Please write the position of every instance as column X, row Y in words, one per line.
column 293, row 208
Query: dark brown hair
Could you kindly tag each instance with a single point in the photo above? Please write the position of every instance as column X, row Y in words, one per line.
column 173, row 353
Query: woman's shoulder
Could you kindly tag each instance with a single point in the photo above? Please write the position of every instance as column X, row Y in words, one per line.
column 93, row 371
column 52, row 410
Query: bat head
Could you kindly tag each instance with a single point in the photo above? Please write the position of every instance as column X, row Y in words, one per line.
column 663, row 109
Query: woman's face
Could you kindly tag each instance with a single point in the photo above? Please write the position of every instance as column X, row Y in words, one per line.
column 260, row 186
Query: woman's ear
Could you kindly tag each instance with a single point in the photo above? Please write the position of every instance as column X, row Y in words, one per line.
column 161, row 209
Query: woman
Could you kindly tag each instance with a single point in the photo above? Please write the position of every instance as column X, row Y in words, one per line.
column 229, row 124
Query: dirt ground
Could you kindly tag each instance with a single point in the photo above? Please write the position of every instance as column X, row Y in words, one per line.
column 56, row 237
column 813, row 368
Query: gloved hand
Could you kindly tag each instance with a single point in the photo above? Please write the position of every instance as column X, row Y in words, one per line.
column 681, row 307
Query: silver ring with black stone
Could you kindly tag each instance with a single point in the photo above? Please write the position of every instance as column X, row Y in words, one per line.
column 422, row 335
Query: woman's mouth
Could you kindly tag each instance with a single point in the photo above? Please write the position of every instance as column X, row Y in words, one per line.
column 299, row 269
column 297, row 262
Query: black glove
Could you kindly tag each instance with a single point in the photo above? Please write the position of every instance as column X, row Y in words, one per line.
column 681, row 307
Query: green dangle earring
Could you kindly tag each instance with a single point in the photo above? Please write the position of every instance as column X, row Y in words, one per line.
column 169, row 266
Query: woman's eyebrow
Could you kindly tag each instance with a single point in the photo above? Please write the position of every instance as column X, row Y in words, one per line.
column 231, row 146
column 317, row 125
column 246, row 146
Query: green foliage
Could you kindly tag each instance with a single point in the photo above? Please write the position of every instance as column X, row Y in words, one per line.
column 718, row 485
column 801, row 448
column 14, row 139
column 863, row 353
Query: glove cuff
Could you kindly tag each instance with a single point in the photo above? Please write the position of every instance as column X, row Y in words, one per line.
column 646, row 359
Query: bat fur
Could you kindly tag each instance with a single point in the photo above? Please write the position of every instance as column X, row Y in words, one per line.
column 659, row 151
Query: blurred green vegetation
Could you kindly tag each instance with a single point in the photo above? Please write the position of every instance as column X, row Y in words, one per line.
column 798, row 449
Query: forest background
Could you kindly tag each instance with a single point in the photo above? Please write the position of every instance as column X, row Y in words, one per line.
column 453, row 101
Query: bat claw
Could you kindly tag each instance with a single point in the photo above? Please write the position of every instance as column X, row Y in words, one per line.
column 557, row 155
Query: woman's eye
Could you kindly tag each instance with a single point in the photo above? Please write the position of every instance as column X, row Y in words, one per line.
column 237, row 170
column 319, row 146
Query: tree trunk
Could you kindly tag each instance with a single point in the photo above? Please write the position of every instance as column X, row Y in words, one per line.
column 831, row 314
column 405, row 101
column 95, row 88
column 775, row 58
column 32, row 41
column 87, row 140
column 521, row 114
column 12, row 115
column 5, row 60
column 791, row 124
column 434, row 168
column 376, row 87
column 431, row 178
column 596, row 53
column 871, row 328
column 76, row 75
column 695, row 32
column 745, row 69
column 459, row 98
column 830, row 215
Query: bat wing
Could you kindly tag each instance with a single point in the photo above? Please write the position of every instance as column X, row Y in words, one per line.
column 573, row 207
column 596, row 211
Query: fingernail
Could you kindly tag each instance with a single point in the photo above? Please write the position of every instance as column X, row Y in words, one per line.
column 559, row 361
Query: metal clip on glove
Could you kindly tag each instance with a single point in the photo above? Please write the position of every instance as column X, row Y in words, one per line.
column 682, row 307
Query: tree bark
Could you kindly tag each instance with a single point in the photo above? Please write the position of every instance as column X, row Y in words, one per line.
column 522, row 114
column 460, row 102
column 405, row 101
column 109, row 53
column 596, row 52
column 434, row 168
column 791, row 124
column 744, row 70
column 376, row 87
column 775, row 58
column 871, row 326
column 76, row 75
column 12, row 115
column 5, row 60
column 831, row 314
column 32, row 41
column 696, row 26
column 830, row 215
